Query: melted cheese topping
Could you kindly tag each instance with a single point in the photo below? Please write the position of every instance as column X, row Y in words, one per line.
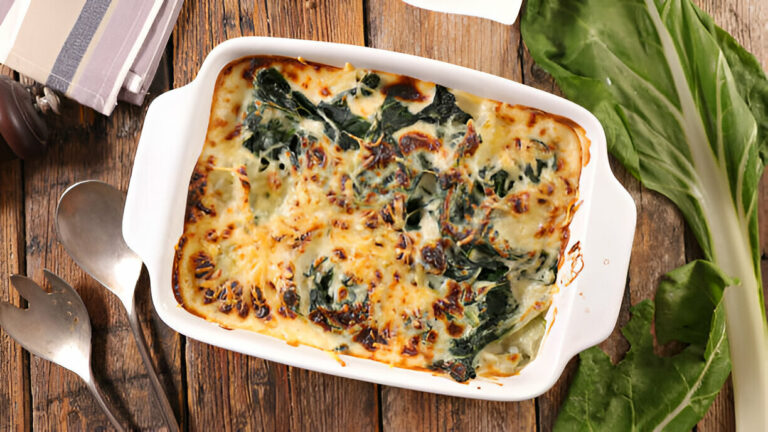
column 378, row 216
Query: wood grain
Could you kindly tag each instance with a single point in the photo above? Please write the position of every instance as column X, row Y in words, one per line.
column 406, row 410
column 85, row 145
column 214, row 389
column 229, row 391
column 328, row 403
column 745, row 21
column 548, row 404
column 466, row 41
column 15, row 413
column 326, row 20
column 225, row 390
column 489, row 47
column 660, row 239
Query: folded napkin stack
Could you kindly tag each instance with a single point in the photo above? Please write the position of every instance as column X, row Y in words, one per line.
column 93, row 51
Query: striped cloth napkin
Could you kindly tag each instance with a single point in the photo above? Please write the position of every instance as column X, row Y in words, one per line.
column 93, row 51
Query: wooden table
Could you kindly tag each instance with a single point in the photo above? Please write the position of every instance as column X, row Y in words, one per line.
column 212, row 389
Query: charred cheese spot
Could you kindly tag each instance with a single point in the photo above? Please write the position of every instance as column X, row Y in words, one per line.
column 412, row 141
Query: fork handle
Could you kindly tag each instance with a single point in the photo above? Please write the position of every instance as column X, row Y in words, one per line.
column 160, row 396
column 91, row 383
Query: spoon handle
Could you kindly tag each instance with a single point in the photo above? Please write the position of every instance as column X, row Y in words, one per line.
column 160, row 396
column 91, row 383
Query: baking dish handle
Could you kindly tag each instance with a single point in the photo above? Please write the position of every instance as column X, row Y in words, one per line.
column 606, row 252
column 151, row 193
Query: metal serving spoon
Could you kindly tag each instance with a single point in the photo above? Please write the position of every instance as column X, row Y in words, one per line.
column 89, row 221
column 55, row 327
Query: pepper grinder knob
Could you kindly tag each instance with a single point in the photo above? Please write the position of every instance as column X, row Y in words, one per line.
column 23, row 132
column 48, row 102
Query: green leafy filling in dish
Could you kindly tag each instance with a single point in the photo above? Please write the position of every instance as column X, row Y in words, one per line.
column 378, row 216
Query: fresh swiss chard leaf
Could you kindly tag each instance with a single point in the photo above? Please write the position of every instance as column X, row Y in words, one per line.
column 647, row 392
column 684, row 109
column 683, row 314
column 679, row 131
column 750, row 82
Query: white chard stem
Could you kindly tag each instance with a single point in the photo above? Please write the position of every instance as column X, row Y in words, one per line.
column 728, row 225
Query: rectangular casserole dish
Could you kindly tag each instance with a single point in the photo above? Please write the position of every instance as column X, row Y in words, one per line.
column 591, row 281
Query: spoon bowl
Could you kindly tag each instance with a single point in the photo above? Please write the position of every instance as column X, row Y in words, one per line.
column 89, row 221
column 88, row 224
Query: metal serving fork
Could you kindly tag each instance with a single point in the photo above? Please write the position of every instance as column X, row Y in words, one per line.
column 55, row 327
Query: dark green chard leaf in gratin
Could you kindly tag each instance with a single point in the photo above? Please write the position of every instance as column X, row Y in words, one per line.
column 443, row 109
column 496, row 311
column 349, row 126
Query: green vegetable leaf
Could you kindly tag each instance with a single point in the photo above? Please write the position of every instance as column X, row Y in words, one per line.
column 684, row 109
column 273, row 88
column 647, row 392
column 348, row 124
column 443, row 108
column 496, row 318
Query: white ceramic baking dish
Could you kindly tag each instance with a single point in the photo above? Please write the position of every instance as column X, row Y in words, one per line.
column 503, row 11
column 584, row 311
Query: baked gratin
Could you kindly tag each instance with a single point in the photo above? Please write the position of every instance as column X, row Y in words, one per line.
column 379, row 216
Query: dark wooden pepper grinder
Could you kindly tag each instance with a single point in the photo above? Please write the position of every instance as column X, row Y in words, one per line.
column 23, row 132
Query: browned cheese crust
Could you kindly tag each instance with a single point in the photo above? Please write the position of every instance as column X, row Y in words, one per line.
column 379, row 216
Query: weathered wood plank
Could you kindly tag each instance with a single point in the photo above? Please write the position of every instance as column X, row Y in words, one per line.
column 327, row 20
column 478, row 44
column 660, row 237
column 247, row 393
column 229, row 391
column 85, row 145
column 744, row 20
column 549, row 403
column 225, row 390
column 465, row 41
column 406, row 410
column 318, row 401
column 328, row 403
column 14, row 362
